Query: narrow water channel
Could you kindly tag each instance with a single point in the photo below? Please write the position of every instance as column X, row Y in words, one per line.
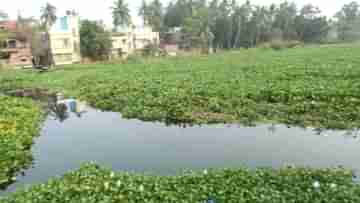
column 133, row 145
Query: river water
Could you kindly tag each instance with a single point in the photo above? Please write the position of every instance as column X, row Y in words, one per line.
column 154, row 148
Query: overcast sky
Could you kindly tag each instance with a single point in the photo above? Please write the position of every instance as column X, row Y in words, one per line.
column 100, row 9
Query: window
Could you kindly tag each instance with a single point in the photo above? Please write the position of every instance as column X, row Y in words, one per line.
column 12, row 44
column 74, row 32
column 66, row 43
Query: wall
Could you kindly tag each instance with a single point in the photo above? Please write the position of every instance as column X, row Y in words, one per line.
column 135, row 39
column 123, row 44
column 65, row 40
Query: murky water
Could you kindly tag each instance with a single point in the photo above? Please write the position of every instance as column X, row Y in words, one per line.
column 108, row 139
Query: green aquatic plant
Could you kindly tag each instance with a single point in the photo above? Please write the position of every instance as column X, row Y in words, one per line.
column 310, row 86
column 93, row 184
column 19, row 124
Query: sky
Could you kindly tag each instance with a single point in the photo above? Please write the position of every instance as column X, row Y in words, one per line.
column 100, row 9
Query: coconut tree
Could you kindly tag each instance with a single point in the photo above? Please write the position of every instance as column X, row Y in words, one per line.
column 48, row 19
column 121, row 14
column 48, row 15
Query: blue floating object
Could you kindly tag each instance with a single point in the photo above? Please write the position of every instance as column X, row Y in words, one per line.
column 72, row 105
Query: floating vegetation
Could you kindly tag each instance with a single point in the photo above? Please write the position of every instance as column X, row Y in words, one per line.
column 93, row 184
column 19, row 123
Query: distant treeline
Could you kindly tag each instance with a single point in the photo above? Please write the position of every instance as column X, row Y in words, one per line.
column 228, row 24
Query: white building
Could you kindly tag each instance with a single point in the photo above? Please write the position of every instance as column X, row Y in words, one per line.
column 129, row 40
column 65, row 39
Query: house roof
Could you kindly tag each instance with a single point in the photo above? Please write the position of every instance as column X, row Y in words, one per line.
column 9, row 25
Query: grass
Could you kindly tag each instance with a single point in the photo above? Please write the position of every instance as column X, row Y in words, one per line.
column 311, row 86
column 19, row 123
column 92, row 184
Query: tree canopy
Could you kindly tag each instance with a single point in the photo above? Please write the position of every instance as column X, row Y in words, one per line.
column 48, row 15
column 95, row 40
column 348, row 22
column 121, row 14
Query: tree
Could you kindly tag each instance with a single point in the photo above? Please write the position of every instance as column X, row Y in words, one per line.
column 155, row 15
column 48, row 18
column 3, row 34
column 177, row 12
column 144, row 12
column 348, row 22
column 121, row 14
column 196, row 28
column 310, row 25
column 285, row 20
column 95, row 42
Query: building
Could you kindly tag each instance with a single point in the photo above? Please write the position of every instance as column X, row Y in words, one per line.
column 145, row 36
column 130, row 40
column 16, row 49
column 122, row 44
column 65, row 39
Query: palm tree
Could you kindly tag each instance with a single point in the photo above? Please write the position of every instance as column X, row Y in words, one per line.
column 121, row 14
column 144, row 12
column 48, row 18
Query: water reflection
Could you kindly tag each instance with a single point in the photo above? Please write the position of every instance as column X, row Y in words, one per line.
column 75, row 133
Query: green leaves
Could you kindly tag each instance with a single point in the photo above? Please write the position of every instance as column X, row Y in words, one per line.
column 305, row 86
column 19, row 123
column 94, row 184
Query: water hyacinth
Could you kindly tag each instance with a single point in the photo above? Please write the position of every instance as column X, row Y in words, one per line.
column 107, row 185
column 228, row 185
column 141, row 188
column 220, row 88
column 118, row 183
column 19, row 124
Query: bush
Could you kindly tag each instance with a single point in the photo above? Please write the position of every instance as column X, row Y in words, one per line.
column 94, row 184
column 134, row 59
column 279, row 44
column 95, row 41
column 151, row 50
